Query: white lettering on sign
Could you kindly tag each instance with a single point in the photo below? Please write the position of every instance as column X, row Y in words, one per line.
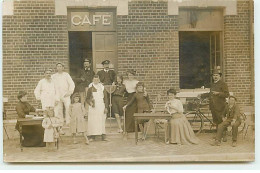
column 79, row 20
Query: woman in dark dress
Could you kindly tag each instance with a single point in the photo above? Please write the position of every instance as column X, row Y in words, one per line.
column 130, row 85
column 33, row 134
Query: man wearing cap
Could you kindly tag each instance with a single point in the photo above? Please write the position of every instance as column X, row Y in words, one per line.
column 84, row 79
column 218, row 94
column 231, row 118
column 106, row 76
column 45, row 90
column 64, row 87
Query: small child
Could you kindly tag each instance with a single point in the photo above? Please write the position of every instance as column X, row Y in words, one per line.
column 117, row 101
column 181, row 131
column 77, row 113
column 143, row 104
column 50, row 125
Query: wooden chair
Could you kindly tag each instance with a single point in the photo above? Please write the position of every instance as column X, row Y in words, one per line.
column 250, row 119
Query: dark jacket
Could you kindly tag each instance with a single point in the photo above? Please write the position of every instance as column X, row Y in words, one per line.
column 218, row 102
column 87, row 75
column 232, row 113
column 107, row 78
column 143, row 102
column 120, row 90
column 89, row 98
column 24, row 108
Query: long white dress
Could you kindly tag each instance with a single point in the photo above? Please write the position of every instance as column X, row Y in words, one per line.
column 96, row 115
column 45, row 91
column 181, row 132
column 49, row 133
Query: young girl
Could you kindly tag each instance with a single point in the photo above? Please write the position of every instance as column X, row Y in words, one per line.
column 143, row 103
column 77, row 113
column 50, row 125
column 117, row 101
column 181, row 131
column 98, row 105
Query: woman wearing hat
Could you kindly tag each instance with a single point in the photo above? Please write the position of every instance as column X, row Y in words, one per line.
column 33, row 134
column 130, row 85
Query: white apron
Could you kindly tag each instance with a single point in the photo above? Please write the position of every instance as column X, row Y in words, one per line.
column 96, row 116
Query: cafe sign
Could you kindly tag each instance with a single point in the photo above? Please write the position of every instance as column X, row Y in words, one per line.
column 91, row 21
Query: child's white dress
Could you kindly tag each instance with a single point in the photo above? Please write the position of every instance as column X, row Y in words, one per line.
column 181, row 131
column 50, row 133
column 77, row 122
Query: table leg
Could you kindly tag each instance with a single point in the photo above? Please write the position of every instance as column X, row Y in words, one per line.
column 21, row 136
column 136, row 131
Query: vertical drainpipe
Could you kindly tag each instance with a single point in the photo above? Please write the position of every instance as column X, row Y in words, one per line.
column 251, row 42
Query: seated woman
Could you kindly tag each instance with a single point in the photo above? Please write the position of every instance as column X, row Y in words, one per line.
column 181, row 131
column 32, row 134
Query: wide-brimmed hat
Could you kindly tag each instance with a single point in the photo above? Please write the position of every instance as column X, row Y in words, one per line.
column 21, row 94
column 216, row 71
column 133, row 72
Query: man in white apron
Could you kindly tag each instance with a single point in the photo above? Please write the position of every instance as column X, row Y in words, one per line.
column 45, row 90
column 98, row 104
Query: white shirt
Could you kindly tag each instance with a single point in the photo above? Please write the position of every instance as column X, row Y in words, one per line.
column 63, row 84
column 176, row 104
column 45, row 88
column 130, row 85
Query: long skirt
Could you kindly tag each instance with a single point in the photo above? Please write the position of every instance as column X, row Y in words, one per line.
column 181, row 131
column 129, row 114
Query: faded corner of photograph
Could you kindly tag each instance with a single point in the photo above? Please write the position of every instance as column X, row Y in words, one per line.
column 128, row 81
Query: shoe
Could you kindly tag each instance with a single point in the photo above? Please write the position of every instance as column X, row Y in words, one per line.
column 87, row 142
column 62, row 132
column 224, row 139
column 120, row 131
column 215, row 143
column 75, row 142
column 91, row 140
column 104, row 138
column 234, row 144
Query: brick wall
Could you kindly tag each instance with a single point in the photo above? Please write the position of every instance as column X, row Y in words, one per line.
column 148, row 42
column 237, row 52
column 33, row 38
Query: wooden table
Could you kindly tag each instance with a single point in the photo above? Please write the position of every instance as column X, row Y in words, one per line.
column 148, row 116
column 26, row 122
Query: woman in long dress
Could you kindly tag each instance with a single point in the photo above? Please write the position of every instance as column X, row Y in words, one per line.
column 98, row 105
column 181, row 131
column 130, row 85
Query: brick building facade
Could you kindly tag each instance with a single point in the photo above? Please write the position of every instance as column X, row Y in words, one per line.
column 148, row 38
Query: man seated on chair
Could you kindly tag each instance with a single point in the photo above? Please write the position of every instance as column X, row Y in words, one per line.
column 231, row 118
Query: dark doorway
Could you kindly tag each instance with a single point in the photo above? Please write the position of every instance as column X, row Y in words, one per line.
column 80, row 47
column 194, row 59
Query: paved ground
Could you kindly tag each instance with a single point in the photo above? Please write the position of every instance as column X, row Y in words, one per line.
column 120, row 150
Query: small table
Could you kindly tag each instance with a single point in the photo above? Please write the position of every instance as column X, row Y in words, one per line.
column 148, row 116
column 27, row 122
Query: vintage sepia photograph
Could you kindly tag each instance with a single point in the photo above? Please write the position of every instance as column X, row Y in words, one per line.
column 128, row 81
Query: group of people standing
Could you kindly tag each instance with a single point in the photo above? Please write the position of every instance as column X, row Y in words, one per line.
column 90, row 100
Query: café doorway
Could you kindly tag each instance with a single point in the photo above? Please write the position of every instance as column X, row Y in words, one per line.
column 96, row 46
column 80, row 47
column 200, row 52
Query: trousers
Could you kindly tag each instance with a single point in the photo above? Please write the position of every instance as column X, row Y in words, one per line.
column 58, row 110
column 223, row 127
